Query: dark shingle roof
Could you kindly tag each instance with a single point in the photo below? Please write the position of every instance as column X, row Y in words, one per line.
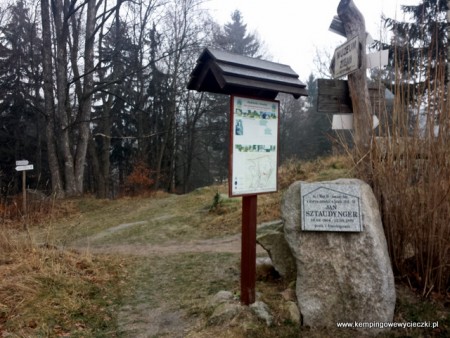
column 226, row 73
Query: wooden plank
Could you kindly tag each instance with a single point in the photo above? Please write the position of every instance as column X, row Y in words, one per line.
column 333, row 97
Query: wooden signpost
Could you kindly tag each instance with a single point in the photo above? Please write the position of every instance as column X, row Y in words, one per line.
column 24, row 166
column 253, row 85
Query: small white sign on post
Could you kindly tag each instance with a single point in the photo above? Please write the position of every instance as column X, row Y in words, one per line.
column 342, row 121
column 347, row 58
column 378, row 59
column 22, row 162
column 345, row 122
column 24, row 167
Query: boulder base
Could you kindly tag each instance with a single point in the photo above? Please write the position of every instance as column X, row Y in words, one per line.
column 341, row 276
column 271, row 237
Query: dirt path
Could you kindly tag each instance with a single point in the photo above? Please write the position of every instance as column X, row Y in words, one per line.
column 143, row 319
column 230, row 244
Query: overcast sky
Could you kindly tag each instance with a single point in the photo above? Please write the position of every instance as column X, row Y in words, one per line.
column 293, row 30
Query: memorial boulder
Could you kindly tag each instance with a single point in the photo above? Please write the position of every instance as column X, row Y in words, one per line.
column 344, row 272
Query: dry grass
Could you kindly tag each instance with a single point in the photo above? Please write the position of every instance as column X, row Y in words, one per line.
column 409, row 170
column 48, row 292
column 321, row 169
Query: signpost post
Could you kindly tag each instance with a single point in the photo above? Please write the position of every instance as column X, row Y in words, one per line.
column 354, row 26
column 248, row 249
column 23, row 166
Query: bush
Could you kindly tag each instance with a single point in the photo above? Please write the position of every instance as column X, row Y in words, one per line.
column 139, row 181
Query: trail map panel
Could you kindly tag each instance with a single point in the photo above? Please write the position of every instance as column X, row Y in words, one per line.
column 254, row 146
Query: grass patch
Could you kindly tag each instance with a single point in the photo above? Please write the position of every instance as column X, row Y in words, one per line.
column 45, row 292
column 170, row 216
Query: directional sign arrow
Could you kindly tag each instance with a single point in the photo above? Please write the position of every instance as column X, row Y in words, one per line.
column 24, row 167
column 345, row 121
column 22, row 162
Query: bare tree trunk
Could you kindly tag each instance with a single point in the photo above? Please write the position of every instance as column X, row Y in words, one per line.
column 100, row 153
column 60, row 9
column 86, row 99
column 354, row 25
column 179, row 22
column 100, row 184
column 448, row 46
column 162, row 151
column 57, row 188
column 191, row 138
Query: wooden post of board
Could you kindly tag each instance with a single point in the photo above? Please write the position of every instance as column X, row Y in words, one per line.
column 354, row 25
column 24, row 193
column 248, row 249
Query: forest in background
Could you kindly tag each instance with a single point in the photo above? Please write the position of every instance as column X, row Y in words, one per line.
column 94, row 96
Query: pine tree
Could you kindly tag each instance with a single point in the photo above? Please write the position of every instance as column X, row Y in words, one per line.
column 419, row 46
column 303, row 131
column 234, row 37
column 20, row 78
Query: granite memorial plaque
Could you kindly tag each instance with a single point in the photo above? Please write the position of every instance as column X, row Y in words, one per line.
column 331, row 207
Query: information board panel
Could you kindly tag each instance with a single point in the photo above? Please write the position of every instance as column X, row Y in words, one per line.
column 253, row 146
column 331, row 207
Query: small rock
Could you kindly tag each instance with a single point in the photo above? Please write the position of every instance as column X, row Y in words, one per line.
column 294, row 313
column 261, row 310
column 225, row 312
column 289, row 295
column 221, row 297
column 263, row 261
